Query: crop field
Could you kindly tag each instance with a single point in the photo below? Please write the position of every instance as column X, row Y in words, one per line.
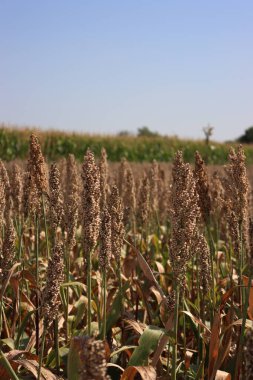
column 14, row 143
column 123, row 270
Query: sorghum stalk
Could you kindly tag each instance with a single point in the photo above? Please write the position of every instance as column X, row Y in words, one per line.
column 175, row 330
column 104, row 257
column 117, row 226
column 91, row 217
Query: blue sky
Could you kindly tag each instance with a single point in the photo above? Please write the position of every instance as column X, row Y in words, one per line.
column 106, row 66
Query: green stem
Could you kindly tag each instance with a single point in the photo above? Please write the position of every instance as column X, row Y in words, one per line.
column 174, row 352
column 120, row 286
column 6, row 364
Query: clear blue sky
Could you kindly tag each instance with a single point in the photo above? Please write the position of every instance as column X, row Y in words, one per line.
column 105, row 66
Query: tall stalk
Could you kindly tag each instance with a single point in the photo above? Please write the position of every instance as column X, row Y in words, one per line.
column 43, row 339
column 37, row 320
column 104, row 305
column 174, row 351
column 89, row 267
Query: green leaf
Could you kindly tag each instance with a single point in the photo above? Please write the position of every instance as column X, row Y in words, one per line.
column 147, row 344
column 22, row 328
column 116, row 307
column 74, row 361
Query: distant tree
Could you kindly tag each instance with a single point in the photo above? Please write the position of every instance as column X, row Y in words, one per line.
column 208, row 131
column 247, row 137
column 145, row 131
column 124, row 133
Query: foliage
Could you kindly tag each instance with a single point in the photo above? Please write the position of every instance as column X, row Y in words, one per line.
column 14, row 144
column 247, row 137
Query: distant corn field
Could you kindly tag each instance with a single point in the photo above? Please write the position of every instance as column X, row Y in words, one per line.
column 14, row 144
column 125, row 271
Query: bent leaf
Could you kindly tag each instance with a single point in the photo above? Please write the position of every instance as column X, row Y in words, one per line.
column 147, row 344
column 146, row 373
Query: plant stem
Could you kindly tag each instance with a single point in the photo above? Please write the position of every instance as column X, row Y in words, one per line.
column 241, row 341
column 7, row 366
column 67, row 292
column 174, row 352
column 56, row 345
column 42, row 351
column 37, row 282
column 104, row 305
column 45, row 223
column 89, row 292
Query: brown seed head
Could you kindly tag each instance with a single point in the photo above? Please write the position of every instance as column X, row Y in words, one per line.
column 93, row 358
column 236, row 188
column 154, row 179
column 144, row 201
column 90, row 201
column 71, row 200
column 56, row 197
column 201, row 249
column 202, row 188
column 16, row 189
column 122, row 175
column 117, row 226
column 103, row 170
column 184, row 214
column 37, row 166
column 55, row 276
column 129, row 197
column 8, row 250
column 106, row 240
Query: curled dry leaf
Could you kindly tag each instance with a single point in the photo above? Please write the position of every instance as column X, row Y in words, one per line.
column 146, row 373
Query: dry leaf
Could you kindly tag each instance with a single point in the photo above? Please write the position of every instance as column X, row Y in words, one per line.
column 147, row 373
column 221, row 375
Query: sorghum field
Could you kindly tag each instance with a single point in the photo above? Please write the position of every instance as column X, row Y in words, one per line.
column 125, row 271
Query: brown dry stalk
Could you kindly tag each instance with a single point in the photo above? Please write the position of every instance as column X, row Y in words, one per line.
column 55, row 276
column 90, row 202
column 55, row 197
column 202, row 188
column 184, row 214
